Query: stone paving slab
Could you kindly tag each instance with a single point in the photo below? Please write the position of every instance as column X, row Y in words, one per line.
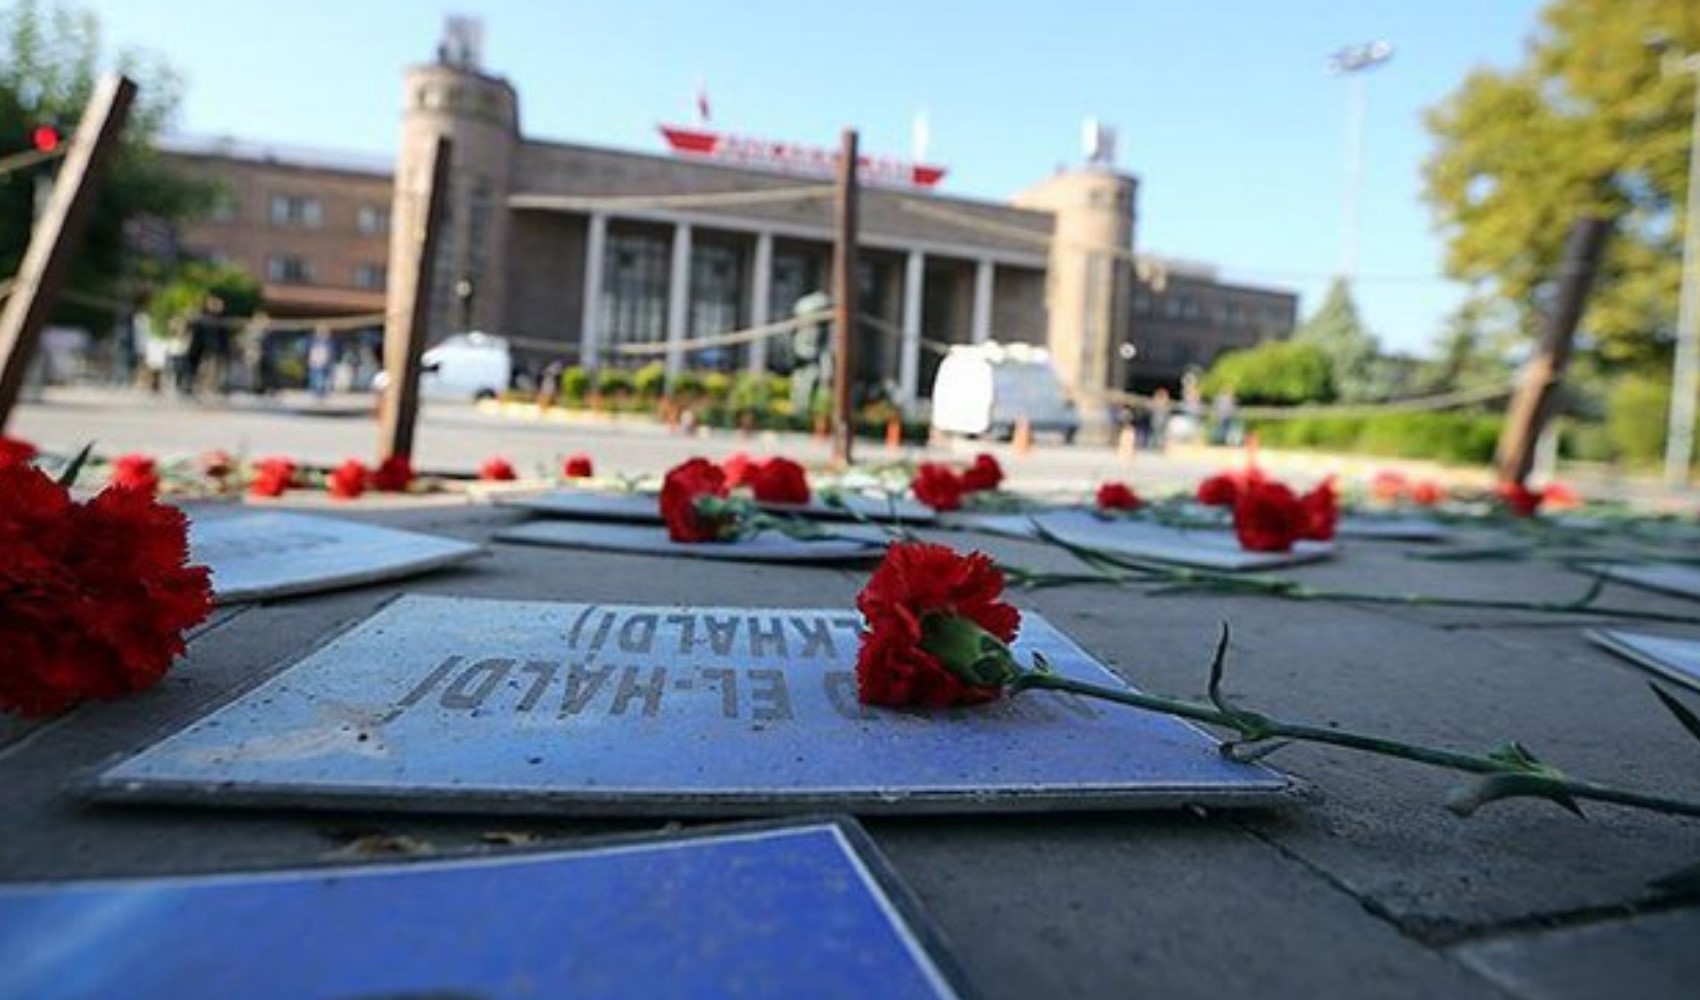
column 1364, row 888
column 1649, row 957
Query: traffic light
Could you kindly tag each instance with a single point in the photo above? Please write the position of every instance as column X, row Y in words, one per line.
column 45, row 138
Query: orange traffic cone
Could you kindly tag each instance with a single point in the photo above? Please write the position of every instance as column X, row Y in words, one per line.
column 1021, row 442
column 893, row 434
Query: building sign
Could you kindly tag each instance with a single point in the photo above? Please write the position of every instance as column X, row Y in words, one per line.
column 801, row 910
column 461, row 704
column 795, row 157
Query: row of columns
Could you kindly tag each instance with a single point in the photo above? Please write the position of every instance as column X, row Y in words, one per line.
column 761, row 292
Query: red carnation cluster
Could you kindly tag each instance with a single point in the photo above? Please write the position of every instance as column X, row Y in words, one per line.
column 272, row 476
column 577, row 467
column 393, row 475
column 94, row 597
column 348, row 480
column 1389, row 486
column 942, row 488
column 1268, row 515
column 917, row 580
column 1118, row 496
column 685, row 484
column 135, row 471
column 773, row 480
column 15, row 451
column 1519, row 500
column 497, row 469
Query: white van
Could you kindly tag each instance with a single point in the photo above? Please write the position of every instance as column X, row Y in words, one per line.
column 984, row 389
column 466, row 366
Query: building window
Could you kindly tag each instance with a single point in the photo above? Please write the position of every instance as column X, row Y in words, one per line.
column 224, row 205
column 372, row 220
column 369, row 276
column 296, row 210
column 634, row 290
column 717, row 285
column 289, row 269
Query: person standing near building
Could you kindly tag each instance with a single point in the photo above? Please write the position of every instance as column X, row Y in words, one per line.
column 1161, row 406
column 321, row 355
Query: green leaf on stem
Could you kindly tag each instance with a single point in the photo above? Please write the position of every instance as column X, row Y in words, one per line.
column 74, row 468
column 1467, row 799
column 1218, row 664
column 1683, row 713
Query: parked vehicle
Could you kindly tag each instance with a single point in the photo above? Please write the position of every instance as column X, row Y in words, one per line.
column 465, row 366
column 985, row 389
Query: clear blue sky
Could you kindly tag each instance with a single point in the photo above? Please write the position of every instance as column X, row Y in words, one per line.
column 1224, row 110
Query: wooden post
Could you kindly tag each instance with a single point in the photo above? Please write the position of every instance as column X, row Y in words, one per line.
column 1536, row 395
column 844, row 293
column 54, row 241
column 408, row 305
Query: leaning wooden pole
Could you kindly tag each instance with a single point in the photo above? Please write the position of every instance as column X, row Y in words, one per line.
column 413, row 252
column 844, row 294
column 1537, row 394
column 53, row 243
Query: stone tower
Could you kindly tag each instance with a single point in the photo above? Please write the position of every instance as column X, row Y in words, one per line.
column 453, row 97
column 1089, row 283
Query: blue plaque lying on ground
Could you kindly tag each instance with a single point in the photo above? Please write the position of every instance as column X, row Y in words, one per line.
column 1670, row 656
column 459, row 704
column 785, row 911
column 1680, row 579
column 848, row 542
column 257, row 555
column 644, row 508
column 1203, row 547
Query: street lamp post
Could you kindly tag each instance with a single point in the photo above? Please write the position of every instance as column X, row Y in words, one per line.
column 1352, row 62
column 1685, row 374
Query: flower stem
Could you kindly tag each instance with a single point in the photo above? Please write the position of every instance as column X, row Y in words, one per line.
column 1257, row 728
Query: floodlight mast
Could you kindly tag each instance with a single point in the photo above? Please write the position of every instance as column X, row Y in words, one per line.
column 1352, row 62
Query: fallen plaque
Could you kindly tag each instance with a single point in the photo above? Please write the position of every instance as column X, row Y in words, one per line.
column 1391, row 527
column 458, row 704
column 781, row 911
column 1668, row 656
column 644, row 508
column 1203, row 547
column 1670, row 578
column 847, row 543
column 266, row 554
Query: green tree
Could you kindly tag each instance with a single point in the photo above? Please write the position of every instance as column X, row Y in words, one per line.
column 1352, row 351
column 1587, row 124
column 1274, row 373
column 194, row 285
column 50, row 62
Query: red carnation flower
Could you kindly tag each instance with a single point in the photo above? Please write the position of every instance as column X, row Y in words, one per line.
column 1518, row 499
column 780, row 480
column 984, row 474
column 497, row 470
column 272, row 476
column 1389, row 485
column 740, row 470
column 393, row 474
column 916, row 581
column 937, row 486
column 685, row 484
column 1427, row 493
column 577, row 467
column 348, row 480
column 1117, row 496
column 95, row 597
column 1321, row 509
column 1220, row 490
column 135, row 471
column 1558, row 496
column 15, row 451
column 1268, row 517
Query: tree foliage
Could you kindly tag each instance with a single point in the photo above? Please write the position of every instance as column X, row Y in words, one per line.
column 1353, row 352
column 1274, row 373
column 1588, row 124
column 194, row 285
column 50, row 62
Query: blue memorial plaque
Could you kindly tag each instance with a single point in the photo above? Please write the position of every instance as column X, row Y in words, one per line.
column 807, row 910
column 849, row 542
column 1669, row 656
column 1203, row 547
column 644, row 508
column 476, row 705
column 1680, row 579
column 265, row 554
